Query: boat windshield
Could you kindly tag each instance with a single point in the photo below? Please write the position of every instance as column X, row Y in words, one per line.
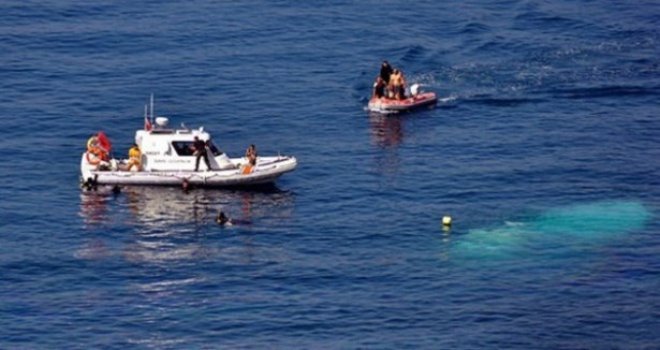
column 185, row 148
column 214, row 149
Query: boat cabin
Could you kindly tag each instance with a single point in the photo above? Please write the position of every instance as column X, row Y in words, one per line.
column 165, row 149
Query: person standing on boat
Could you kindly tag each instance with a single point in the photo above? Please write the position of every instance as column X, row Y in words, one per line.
column 402, row 86
column 397, row 85
column 199, row 147
column 385, row 72
column 393, row 85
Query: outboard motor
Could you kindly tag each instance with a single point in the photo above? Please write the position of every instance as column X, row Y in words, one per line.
column 414, row 90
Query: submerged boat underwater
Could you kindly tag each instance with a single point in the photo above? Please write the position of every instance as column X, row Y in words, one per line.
column 416, row 99
column 167, row 158
column 558, row 230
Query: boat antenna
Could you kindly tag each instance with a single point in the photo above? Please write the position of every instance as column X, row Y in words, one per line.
column 152, row 108
column 148, row 125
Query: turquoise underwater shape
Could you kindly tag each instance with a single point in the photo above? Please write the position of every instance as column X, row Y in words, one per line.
column 566, row 225
column 593, row 220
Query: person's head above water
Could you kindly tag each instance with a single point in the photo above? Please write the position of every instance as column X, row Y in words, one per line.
column 221, row 218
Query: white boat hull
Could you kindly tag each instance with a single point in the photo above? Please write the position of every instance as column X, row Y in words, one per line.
column 267, row 170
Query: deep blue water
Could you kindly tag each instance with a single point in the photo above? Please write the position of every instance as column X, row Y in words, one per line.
column 546, row 153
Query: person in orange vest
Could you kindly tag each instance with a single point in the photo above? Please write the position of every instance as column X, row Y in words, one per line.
column 251, row 155
column 94, row 148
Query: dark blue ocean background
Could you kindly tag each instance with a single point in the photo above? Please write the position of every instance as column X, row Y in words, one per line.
column 545, row 150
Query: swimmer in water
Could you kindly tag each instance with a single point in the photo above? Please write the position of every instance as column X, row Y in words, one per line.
column 223, row 220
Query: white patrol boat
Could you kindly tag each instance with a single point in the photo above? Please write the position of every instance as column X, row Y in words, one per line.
column 167, row 157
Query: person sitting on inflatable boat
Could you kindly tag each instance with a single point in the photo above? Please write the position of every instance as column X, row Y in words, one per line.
column 134, row 158
column 98, row 148
column 251, row 155
column 379, row 88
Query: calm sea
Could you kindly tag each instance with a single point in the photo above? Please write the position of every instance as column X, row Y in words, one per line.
column 545, row 151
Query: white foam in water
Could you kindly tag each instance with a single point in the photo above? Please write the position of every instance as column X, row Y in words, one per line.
column 449, row 98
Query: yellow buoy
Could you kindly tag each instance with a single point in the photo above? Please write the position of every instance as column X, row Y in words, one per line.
column 446, row 220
